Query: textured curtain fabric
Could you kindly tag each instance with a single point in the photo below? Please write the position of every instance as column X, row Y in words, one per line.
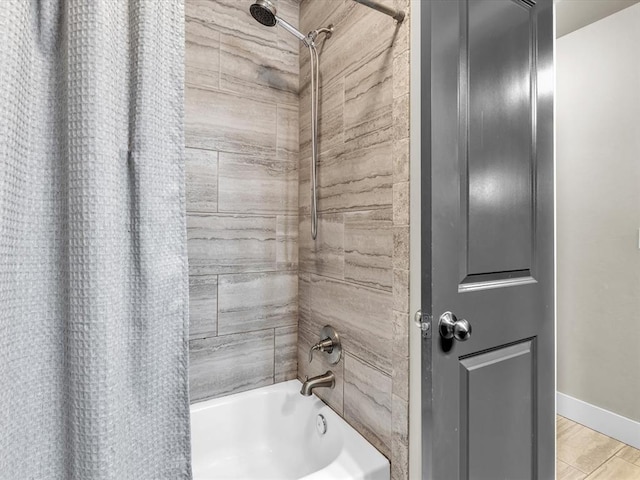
column 93, row 273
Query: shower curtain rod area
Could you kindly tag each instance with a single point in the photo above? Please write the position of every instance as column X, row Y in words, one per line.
column 397, row 15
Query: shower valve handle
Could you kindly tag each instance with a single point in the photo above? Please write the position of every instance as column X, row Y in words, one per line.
column 325, row 345
column 330, row 345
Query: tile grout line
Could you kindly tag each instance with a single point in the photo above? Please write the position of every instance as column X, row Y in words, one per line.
column 217, row 301
column 349, row 282
column 607, row 460
column 217, row 181
column 588, row 474
column 627, row 461
column 344, row 379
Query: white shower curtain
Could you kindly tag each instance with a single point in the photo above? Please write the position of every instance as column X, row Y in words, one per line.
column 93, row 268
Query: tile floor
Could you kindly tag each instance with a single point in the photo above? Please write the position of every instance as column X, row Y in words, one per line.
column 584, row 454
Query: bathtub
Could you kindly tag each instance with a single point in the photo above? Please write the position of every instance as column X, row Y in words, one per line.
column 275, row 433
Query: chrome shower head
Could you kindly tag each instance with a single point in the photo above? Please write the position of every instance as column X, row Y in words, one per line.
column 265, row 13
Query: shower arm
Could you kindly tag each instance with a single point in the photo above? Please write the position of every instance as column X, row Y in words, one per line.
column 397, row 15
column 291, row 29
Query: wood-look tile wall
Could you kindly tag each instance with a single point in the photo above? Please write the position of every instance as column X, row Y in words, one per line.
column 355, row 276
column 241, row 129
column 260, row 288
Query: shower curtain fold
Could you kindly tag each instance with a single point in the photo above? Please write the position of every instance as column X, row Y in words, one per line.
column 93, row 272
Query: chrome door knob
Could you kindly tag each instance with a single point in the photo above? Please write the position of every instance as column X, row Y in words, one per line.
column 450, row 327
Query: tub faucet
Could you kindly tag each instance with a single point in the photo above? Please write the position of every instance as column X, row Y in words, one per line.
column 329, row 345
column 327, row 379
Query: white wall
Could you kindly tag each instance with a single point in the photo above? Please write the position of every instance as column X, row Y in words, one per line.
column 574, row 14
column 598, row 213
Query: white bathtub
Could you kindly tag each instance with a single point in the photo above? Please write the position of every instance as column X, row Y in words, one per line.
column 271, row 433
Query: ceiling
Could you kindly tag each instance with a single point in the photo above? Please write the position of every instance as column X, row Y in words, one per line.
column 574, row 14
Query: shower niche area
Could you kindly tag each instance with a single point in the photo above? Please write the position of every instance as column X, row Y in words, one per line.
column 261, row 288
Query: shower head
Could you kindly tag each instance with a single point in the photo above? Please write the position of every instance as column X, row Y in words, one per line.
column 265, row 13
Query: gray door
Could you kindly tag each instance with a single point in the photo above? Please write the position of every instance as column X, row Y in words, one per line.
column 487, row 83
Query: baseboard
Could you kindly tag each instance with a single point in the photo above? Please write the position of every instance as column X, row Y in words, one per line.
column 611, row 424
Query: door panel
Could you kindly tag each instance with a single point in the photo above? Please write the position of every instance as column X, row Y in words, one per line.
column 496, row 134
column 487, row 229
column 496, row 397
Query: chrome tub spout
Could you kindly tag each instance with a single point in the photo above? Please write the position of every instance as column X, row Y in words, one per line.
column 327, row 379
